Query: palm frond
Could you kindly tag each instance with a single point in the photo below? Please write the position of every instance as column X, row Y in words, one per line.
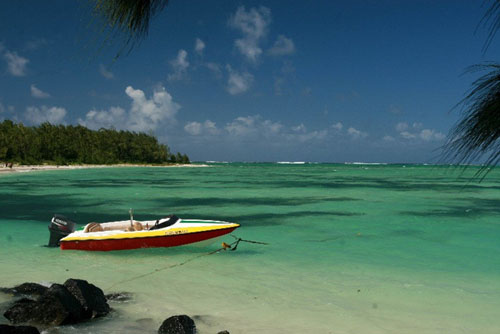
column 491, row 20
column 128, row 19
column 477, row 134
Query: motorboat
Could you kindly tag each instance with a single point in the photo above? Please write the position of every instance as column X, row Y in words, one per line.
column 169, row 231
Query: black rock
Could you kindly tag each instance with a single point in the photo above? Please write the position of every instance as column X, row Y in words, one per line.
column 28, row 289
column 21, row 311
column 57, row 306
column 223, row 332
column 31, row 289
column 178, row 324
column 6, row 329
column 76, row 311
column 90, row 297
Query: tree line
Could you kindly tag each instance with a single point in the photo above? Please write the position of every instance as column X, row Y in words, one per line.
column 68, row 144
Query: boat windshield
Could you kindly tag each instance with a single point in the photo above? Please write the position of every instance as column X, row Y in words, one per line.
column 165, row 222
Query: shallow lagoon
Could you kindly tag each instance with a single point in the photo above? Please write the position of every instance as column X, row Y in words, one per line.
column 353, row 248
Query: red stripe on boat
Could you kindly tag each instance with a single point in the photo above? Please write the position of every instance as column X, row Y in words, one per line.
column 145, row 242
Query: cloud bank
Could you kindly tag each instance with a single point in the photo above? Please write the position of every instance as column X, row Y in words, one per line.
column 145, row 114
column 38, row 115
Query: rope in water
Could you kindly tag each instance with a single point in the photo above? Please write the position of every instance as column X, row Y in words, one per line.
column 231, row 247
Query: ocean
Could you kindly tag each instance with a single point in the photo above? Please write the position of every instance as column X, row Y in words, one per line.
column 352, row 248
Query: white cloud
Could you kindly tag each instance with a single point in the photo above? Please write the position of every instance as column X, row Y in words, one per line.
column 407, row 135
column 356, row 134
column 393, row 109
column 299, row 128
column 53, row 115
column 417, row 125
column 105, row 72
column 38, row 93
column 255, row 130
column 416, row 132
column 314, row 135
column 5, row 109
column 271, row 127
column 254, row 26
column 197, row 128
column 215, row 69
column 193, row 128
column 431, row 135
column 16, row 65
column 337, row 126
column 283, row 46
column 402, row 126
column 210, row 127
column 388, row 138
column 282, row 78
column 95, row 119
column 278, row 85
column 238, row 82
column 243, row 126
column 179, row 65
column 36, row 44
column 199, row 46
column 144, row 114
column 253, row 126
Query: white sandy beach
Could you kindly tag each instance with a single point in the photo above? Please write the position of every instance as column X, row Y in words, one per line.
column 31, row 168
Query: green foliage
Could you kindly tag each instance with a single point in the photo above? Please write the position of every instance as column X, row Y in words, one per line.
column 491, row 20
column 128, row 19
column 62, row 145
column 477, row 135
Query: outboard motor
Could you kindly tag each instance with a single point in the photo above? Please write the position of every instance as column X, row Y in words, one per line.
column 60, row 227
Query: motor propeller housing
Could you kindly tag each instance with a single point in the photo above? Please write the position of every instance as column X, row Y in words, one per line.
column 59, row 227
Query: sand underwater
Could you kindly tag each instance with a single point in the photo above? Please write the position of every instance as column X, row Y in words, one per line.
column 352, row 248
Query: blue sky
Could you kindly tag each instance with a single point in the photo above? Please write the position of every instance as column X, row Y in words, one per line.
column 327, row 81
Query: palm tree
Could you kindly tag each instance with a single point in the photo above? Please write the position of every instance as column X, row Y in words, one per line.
column 476, row 135
column 127, row 18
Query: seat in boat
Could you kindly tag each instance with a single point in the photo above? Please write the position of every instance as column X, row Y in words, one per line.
column 114, row 226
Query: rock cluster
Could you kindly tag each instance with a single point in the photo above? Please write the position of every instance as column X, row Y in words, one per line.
column 74, row 301
column 26, row 289
column 178, row 324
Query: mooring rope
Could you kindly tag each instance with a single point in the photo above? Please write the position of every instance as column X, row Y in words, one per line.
column 231, row 247
column 238, row 240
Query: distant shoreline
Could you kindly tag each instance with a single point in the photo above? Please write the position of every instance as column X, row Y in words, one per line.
column 32, row 168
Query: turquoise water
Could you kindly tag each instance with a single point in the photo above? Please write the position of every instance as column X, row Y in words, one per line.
column 352, row 248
